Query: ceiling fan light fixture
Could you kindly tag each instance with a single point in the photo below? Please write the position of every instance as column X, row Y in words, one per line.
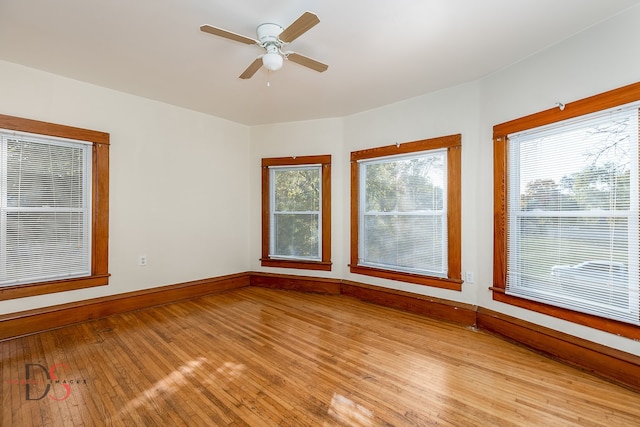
column 272, row 61
column 272, row 38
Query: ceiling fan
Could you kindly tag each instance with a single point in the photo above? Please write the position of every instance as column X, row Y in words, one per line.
column 272, row 38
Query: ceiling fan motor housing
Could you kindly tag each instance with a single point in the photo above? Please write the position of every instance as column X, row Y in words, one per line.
column 268, row 34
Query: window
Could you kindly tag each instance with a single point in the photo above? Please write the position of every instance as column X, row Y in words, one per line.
column 296, row 212
column 405, row 212
column 567, row 181
column 53, row 208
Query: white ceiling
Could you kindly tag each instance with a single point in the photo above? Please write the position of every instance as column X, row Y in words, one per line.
column 379, row 52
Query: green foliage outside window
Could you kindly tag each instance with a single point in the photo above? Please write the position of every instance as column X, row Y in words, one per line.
column 296, row 214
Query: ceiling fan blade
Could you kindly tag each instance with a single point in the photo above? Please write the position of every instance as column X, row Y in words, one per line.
column 304, row 23
column 227, row 34
column 251, row 69
column 307, row 62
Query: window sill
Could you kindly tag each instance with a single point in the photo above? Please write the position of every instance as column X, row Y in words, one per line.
column 33, row 289
column 626, row 330
column 436, row 282
column 290, row 263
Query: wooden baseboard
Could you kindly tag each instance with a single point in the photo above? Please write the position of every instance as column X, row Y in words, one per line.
column 33, row 321
column 615, row 365
column 450, row 311
column 296, row 283
column 427, row 306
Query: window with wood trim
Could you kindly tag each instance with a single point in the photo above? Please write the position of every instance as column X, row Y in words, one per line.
column 405, row 212
column 296, row 212
column 54, row 202
column 566, row 212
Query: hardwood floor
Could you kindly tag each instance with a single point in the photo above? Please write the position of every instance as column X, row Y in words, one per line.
column 254, row 357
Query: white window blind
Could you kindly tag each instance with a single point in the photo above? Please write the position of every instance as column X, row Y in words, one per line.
column 403, row 213
column 295, row 209
column 573, row 214
column 45, row 209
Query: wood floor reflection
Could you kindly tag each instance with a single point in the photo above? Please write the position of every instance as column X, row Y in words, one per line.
column 260, row 357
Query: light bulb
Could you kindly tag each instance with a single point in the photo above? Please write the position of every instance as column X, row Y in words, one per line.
column 272, row 61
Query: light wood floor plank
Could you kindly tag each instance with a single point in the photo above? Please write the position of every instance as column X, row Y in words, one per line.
column 261, row 357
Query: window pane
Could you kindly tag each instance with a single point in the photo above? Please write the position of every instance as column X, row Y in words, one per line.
column 575, row 258
column 297, row 190
column 295, row 215
column 45, row 210
column 573, row 209
column 406, row 242
column 296, row 235
column 44, row 246
column 405, row 185
column 403, row 220
column 40, row 175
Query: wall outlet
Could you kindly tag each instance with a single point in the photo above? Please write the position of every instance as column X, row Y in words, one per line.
column 142, row 261
column 469, row 277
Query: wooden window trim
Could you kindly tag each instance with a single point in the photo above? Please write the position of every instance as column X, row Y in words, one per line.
column 453, row 144
column 325, row 263
column 603, row 101
column 100, row 207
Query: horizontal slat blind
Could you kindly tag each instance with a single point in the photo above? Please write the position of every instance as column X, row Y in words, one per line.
column 403, row 213
column 573, row 214
column 45, row 209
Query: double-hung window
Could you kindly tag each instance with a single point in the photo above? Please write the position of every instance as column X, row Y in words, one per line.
column 45, row 209
column 296, row 212
column 570, row 236
column 406, row 212
column 404, row 202
column 53, row 208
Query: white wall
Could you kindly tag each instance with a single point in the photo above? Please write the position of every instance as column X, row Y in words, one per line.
column 178, row 182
